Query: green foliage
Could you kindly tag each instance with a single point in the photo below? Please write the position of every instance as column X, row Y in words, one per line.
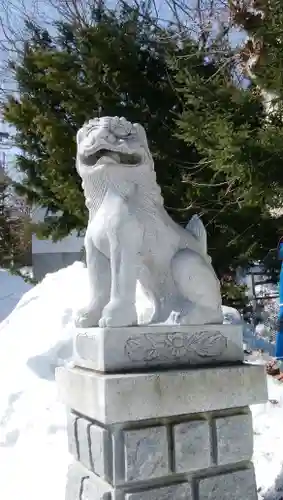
column 214, row 153
column 233, row 294
column 240, row 171
column 11, row 235
column 117, row 67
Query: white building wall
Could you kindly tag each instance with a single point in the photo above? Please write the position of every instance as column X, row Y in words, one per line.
column 70, row 244
column 47, row 256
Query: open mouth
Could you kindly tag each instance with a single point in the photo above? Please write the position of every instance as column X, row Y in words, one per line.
column 120, row 158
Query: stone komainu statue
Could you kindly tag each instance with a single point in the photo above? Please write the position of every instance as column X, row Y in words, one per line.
column 130, row 236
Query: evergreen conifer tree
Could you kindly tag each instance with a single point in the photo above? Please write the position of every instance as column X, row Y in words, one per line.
column 214, row 152
column 11, row 228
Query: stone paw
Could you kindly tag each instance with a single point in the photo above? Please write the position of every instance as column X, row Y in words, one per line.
column 118, row 314
column 199, row 315
column 88, row 316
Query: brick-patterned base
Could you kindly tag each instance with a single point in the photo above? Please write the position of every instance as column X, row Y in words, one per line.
column 236, row 485
column 192, row 457
column 176, row 434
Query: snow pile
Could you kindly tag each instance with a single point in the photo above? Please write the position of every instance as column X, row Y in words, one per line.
column 268, row 443
column 35, row 339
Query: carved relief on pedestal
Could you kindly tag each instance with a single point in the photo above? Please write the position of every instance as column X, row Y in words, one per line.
column 176, row 346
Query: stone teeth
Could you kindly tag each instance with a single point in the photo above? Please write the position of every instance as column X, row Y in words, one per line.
column 114, row 156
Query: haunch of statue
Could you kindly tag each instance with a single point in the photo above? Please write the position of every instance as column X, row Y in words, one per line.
column 130, row 237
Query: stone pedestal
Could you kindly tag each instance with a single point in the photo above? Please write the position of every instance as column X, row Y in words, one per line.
column 183, row 433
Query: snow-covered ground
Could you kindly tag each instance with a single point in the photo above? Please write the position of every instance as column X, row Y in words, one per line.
column 33, row 446
column 34, row 339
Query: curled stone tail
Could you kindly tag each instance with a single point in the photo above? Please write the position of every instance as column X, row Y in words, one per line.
column 196, row 227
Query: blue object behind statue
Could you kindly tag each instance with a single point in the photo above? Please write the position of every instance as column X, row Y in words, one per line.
column 279, row 337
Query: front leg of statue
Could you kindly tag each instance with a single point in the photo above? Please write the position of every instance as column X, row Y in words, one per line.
column 125, row 243
column 99, row 276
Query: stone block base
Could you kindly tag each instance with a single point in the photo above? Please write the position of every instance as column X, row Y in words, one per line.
column 110, row 398
column 234, row 485
column 202, row 453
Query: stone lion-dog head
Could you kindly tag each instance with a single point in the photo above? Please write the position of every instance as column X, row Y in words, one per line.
column 112, row 151
column 112, row 141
